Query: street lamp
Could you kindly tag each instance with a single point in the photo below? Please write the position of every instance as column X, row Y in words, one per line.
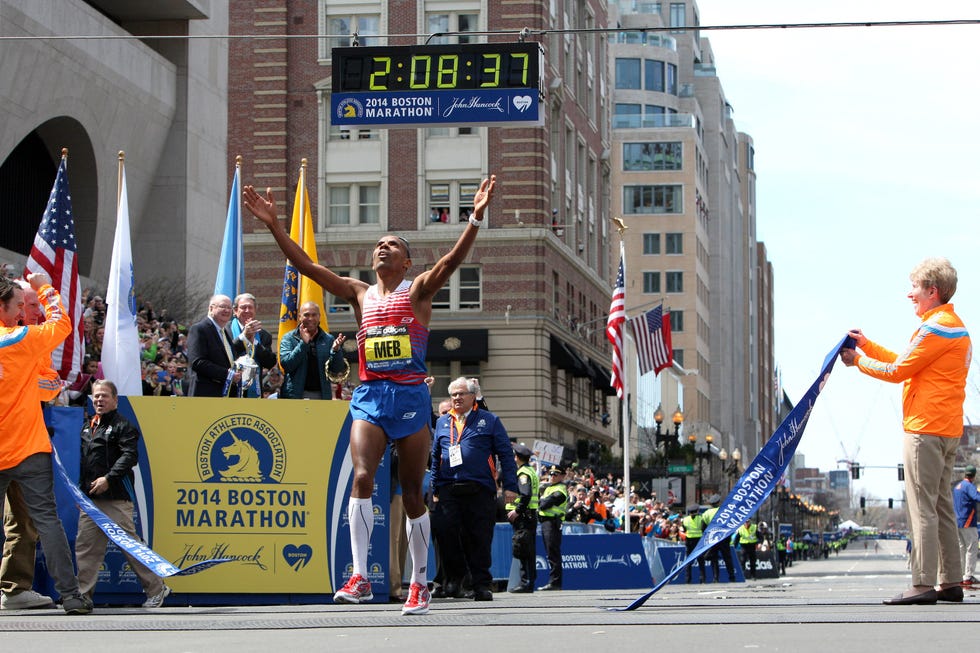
column 730, row 470
column 666, row 438
column 702, row 450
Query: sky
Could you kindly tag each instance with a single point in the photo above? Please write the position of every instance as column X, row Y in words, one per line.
column 867, row 155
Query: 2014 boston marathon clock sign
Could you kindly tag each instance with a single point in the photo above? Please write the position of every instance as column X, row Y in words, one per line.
column 424, row 85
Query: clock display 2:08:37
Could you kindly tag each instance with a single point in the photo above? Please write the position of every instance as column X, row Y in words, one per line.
column 425, row 69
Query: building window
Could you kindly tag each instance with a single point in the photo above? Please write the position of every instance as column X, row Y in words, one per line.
column 463, row 291
column 628, row 73
column 339, row 305
column 677, row 18
column 674, row 243
column 343, row 210
column 671, row 79
column 675, row 281
column 345, row 133
column 651, row 283
column 451, row 201
column 651, row 244
column 679, row 357
column 652, row 199
column 444, row 372
column 451, row 22
column 652, row 156
column 449, row 132
column 653, row 78
column 676, row 321
column 342, row 22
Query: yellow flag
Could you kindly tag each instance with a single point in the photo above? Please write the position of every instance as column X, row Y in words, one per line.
column 296, row 288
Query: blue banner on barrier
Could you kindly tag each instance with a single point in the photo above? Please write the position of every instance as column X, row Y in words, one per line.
column 760, row 477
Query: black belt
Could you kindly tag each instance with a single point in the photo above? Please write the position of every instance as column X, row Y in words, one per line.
column 467, row 487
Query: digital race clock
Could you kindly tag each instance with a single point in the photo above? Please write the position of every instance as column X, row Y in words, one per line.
column 475, row 83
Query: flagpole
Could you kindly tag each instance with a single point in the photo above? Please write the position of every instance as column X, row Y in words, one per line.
column 119, row 174
column 621, row 227
column 302, row 230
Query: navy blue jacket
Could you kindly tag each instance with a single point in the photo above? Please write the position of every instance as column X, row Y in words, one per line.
column 483, row 438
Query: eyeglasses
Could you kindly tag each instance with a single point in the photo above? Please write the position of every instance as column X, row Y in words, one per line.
column 457, row 395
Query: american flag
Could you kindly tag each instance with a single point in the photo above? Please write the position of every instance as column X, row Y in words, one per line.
column 651, row 332
column 614, row 326
column 54, row 253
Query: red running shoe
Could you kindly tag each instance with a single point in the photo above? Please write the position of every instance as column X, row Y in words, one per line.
column 357, row 590
column 418, row 600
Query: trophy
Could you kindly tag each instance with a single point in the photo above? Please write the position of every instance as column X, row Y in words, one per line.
column 248, row 368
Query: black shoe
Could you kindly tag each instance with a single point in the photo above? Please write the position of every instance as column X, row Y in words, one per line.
column 929, row 597
column 549, row 587
column 951, row 594
column 522, row 589
column 77, row 603
column 482, row 594
column 453, row 590
column 439, row 593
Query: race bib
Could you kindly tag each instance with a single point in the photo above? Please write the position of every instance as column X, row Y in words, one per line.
column 387, row 348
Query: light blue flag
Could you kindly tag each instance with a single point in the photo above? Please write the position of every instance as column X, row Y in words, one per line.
column 760, row 478
column 231, row 266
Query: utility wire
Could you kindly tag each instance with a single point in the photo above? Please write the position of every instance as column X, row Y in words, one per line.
column 516, row 34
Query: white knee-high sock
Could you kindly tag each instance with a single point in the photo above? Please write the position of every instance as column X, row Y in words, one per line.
column 419, row 534
column 360, row 514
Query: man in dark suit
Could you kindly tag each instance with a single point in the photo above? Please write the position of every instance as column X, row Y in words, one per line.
column 211, row 353
column 256, row 340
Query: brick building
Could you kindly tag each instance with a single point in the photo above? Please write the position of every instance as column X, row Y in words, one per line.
column 526, row 312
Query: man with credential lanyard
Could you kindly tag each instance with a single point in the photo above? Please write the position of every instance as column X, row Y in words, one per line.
column 467, row 444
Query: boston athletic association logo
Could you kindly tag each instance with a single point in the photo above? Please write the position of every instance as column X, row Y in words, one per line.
column 241, row 448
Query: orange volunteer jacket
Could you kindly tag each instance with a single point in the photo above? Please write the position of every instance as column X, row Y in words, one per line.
column 933, row 368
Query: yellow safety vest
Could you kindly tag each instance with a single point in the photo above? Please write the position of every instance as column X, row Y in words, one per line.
column 693, row 526
column 533, row 503
column 559, row 510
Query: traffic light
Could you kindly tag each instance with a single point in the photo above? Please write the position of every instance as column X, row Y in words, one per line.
column 855, row 472
column 891, row 504
column 901, row 472
column 862, row 503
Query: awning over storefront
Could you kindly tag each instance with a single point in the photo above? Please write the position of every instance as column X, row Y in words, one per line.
column 601, row 379
column 564, row 357
column 444, row 345
column 458, row 345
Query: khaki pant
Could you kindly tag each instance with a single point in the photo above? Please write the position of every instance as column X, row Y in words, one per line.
column 91, row 544
column 397, row 546
column 19, row 545
column 968, row 550
column 928, row 477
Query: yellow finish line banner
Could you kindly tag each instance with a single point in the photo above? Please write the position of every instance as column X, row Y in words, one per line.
column 245, row 479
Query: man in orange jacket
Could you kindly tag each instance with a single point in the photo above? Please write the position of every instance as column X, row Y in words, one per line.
column 933, row 369
column 19, row 534
column 25, row 448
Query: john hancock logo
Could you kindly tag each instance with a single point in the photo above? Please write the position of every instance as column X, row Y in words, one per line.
column 241, row 448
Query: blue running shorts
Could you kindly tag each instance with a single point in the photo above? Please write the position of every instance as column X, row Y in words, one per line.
column 400, row 410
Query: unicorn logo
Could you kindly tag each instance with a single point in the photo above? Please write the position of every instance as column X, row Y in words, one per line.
column 246, row 469
column 241, row 448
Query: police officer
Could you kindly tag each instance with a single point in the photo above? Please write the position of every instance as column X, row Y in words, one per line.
column 551, row 514
column 723, row 547
column 693, row 529
column 748, row 538
column 522, row 513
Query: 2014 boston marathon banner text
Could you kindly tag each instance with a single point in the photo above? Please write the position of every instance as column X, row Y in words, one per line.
column 261, row 484
column 760, row 477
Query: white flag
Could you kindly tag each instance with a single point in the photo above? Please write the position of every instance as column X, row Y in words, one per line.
column 121, row 345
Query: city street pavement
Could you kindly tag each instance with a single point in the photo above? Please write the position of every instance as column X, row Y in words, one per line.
column 820, row 605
